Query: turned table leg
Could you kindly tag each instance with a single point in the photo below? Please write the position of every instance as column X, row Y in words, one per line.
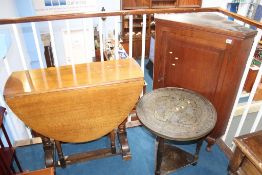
column 48, row 147
column 198, row 148
column 112, row 136
column 159, row 156
column 60, row 154
column 123, row 141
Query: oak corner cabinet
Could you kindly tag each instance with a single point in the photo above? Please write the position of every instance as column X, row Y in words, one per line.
column 203, row 52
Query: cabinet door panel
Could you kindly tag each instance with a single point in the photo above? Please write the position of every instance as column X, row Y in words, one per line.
column 130, row 4
column 185, row 3
column 191, row 66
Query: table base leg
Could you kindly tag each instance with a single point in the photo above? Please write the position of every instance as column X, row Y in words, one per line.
column 198, row 147
column 159, row 156
column 60, row 154
column 122, row 137
column 170, row 158
column 48, row 147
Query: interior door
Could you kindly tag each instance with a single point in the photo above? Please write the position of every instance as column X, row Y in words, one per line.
column 192, row 65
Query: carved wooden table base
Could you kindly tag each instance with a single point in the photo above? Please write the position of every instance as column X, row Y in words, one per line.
column 49, row 148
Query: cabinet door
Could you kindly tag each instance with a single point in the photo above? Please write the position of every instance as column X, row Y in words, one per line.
column 189, row 3
column 135, row 4
column 192, row 65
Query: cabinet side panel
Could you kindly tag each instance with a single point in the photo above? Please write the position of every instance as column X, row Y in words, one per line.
column 226, row 94
column 159, row 60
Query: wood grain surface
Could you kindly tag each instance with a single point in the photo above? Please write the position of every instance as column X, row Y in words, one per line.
column 250, row 144
column 46, row 171
column 75, row 106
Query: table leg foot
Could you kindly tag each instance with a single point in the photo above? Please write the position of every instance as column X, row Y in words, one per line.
column 112, row 136
column 198, row 148
column 122, row 136
column 210, row 143
column 159, row 156
column 48, row 147
column 60, row 154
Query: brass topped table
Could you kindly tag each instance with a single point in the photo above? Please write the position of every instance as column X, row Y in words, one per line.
column 176, row 114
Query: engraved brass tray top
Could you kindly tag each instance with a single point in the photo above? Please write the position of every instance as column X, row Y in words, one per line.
column 177, row 114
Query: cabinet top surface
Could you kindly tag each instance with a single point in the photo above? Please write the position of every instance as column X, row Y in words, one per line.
column 177, row 114
column 250, row 145
column 71, row 77
column 207, row 19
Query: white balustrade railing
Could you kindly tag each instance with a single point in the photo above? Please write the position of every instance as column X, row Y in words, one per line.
column 130, row 36
column 69, row 42
column 101, row 39
column 53, row 43
column 19, row 45
column 116, row 38
column 143, row 43
column 39, row 55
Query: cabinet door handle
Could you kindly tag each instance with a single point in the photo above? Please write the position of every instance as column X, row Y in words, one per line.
column 170, row 52
column 173, row 64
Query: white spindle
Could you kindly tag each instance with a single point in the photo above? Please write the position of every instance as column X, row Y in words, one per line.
column 7, row 68
column 130, row 36
column 85, row 37
column 59, row 80
column 257, row 120
column 101, row 39
column 53, row 43
column 116, row 38
column 37, row 45
column 74, row 74
column 143, row 43
column 69, row 41
column 20, row 50
column 243, row 80
column 44, row 78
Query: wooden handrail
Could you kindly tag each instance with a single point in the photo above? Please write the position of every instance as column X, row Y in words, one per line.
column 241, row 18
column 127, row 12
column 101, row 14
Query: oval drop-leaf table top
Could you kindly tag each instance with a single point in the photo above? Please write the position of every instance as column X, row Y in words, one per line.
column 75, row 103
column 177, row 114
